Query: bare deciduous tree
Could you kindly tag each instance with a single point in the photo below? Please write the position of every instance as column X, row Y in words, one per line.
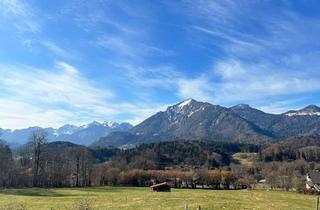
column 37, row 139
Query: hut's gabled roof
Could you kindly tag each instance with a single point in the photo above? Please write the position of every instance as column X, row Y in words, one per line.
column 160, row 184
column 315, row 177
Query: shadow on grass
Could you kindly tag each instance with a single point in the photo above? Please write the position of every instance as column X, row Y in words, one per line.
column 35, row 192
column 109, row 189
column 61, row 192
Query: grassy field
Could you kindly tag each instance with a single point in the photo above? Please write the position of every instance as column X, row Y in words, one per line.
column 122, row 198
column 245, row 158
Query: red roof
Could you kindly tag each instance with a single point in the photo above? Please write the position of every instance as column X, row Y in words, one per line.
column 160, row 184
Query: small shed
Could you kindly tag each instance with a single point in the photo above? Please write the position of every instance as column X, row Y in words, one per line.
column 313, row 180
column 161, row 187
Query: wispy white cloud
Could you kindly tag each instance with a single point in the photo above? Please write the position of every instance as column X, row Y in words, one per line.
column 18, row 114
column 57, row 49
column 14, row 7
column 18, row 14
column 257, row 36
column 124, row 47
column 263, row 58
column 197, row 88
column 233, row 81
column 281, row 106
column 50, row 47
column 51, row 97
column 116, row 15
column 47, row 91
column 57, row 85
column 247, row 80
column 161, row 77
column 66, row 67
column 65, row 90
column 255, row 58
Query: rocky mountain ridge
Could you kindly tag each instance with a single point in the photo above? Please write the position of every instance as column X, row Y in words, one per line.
column 194, row 120
column 85, row 134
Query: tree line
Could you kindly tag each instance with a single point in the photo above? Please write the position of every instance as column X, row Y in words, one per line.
column 39, row 164
column 189, row 164
column 298, row 148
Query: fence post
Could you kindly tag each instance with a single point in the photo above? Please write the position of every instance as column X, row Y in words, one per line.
column 318, row 202
column 199, row 208
column 186, row 207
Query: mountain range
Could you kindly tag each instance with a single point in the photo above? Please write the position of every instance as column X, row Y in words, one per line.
column 194, row 120
column 85, row 134
column 187, row 120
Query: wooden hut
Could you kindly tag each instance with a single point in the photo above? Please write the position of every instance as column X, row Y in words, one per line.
column 313, row 180
column 161, row 187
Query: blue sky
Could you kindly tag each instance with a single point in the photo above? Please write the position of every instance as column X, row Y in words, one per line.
column 75, row 61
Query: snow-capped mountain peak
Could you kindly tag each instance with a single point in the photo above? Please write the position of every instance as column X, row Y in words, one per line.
column 94, row 123
column 185, row 108
column 85, row 134
column 66, row 129
column 178, row 108
column 185, row 103
column 303, row 114
column 242, row 106
column 110, row 124
column 311, row 110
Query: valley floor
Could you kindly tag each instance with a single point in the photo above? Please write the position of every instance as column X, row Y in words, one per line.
column 130, row 198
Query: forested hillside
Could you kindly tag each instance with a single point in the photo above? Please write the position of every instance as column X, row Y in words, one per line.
column 177, row 154
column 304, row 147
column 185, row 163
column 58, row 164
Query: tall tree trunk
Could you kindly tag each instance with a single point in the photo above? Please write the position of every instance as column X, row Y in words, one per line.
column 36, row 165
column 77, row 172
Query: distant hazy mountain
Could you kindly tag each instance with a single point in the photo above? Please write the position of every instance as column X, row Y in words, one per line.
column 190, row 119
column 85, row 134
column 311, row 110
column 259, row 118
column 305, row 121
column 19, row 136
column 90, row 133
column 3, row 141
column 67, row 129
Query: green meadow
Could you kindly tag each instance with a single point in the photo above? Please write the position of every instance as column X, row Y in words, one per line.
column 129, row 198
